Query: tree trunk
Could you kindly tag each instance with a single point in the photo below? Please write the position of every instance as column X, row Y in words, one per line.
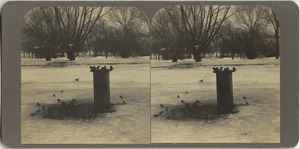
column 71, row 55
column 106, row 54
column 197, row 56
column 277, row 43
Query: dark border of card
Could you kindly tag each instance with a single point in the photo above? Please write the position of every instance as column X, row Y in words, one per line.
column 12, row 16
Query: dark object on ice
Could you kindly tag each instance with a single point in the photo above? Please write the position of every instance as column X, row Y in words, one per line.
column 166, row 109
column 62, row 91
column 54, row 95
column 77, row 79
column 171, row 115
column 156, row 115
column 124, row 102
column 197, row 101
column 64, row 103
column 182, row 101
column 161, row 112
column 58, row 100
column 98, row 67
column 73, row 100
column 233, row 69
column 247, row 103
column 178, row 96
column 201, row 81
column 161, row 105
column 244, row 97
column 43, row 108
column 224, row 90
column 111, row 68
column 187, row 105
column 121, row 96
column 38, row 104
column 101, row 88
column 186, row 92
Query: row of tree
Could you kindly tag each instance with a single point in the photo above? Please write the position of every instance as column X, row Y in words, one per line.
column 53, row 31
column 175, row 32
column 247, row 31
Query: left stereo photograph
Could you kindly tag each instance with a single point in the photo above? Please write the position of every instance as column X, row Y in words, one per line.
column 85, row 76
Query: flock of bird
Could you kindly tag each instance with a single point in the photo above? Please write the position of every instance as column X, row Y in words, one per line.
column 50, row 111
column 216, row 69
column 189, row 107
column 93, row 68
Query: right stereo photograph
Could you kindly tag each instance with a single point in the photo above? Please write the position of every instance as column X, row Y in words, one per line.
column 215, row 74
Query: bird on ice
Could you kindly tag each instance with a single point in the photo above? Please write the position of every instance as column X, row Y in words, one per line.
column 233, row 69
column 121, row 96
column 156, row 115
column 186, row 92
column 244, row 97
column 111, row 68
column 54, row 95
column 38, row 104
column 98, row 67
column 182, row 101
column 124, row 102
column 201, row 81
column 247, row 103
column 77, row 80
column 178, row 96
column 58, row 100
column 62, row 91
column 161, row 105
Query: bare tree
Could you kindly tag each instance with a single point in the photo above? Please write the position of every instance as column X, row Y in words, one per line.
column 38, row 34
column 270, row 16
column 199, row 25
column 250, row 18
column 167, row 33
column 131, row 22
column 72, row 25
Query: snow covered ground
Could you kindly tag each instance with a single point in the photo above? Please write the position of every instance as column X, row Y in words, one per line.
column 258, row 80
column 129, row 124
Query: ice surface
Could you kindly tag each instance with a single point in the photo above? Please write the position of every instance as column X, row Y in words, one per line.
column 258, row 80
column 129, row 124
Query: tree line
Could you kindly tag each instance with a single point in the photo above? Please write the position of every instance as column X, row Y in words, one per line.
column 175, row 32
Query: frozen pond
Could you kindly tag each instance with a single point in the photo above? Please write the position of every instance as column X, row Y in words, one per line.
column 257, row 123
column 129, row 124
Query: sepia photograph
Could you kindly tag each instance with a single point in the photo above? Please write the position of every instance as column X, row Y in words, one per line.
column 215, row 74
column 85, row 76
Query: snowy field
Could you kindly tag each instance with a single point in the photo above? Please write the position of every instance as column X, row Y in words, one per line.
column 129, row 124
column 258, row 80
